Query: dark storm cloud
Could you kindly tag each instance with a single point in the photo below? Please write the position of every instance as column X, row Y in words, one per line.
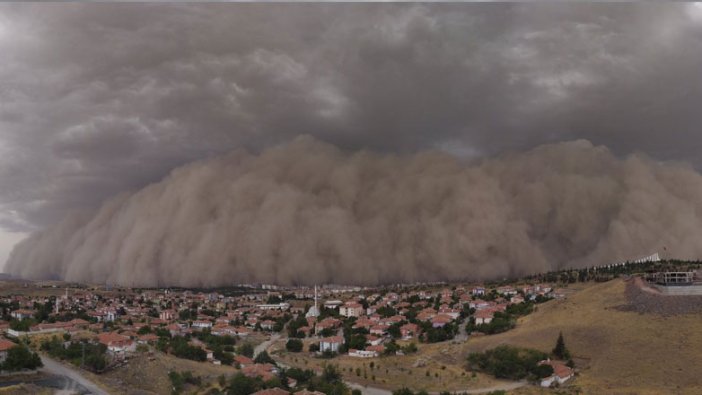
column 101, row 98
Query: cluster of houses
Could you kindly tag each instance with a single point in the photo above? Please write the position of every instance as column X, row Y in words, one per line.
column 115, row 318
column 451, row 303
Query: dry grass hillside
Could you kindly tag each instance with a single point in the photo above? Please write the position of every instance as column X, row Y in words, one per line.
column 618, row 352
column 145, row 375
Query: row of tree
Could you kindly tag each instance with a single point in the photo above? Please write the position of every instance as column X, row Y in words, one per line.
column 20, row 357
column 91, row 356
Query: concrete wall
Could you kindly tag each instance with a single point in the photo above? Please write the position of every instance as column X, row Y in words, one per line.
column 680, row 289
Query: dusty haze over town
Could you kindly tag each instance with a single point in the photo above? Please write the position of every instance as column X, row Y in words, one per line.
column 203, row 145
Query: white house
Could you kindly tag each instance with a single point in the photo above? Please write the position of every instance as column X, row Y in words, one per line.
column 117, row 343
column 478, row 291
column 167, row 315
column 483, row 317
column 110, row 315
column 332, row 304
column 331, row 343
column 22, row 314
column 276, row 306
column 351, row 309
column 202, row 324
column 5, row 345
column 362, row 353
column 561, row 373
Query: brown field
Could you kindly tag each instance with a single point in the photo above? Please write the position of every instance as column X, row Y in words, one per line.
column 31, row 288
column 147, row 373
column 144, row 375
column 23, row 389
column 440, row 369
column 616, row 352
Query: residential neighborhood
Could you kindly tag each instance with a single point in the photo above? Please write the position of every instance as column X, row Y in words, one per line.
column 221, row 328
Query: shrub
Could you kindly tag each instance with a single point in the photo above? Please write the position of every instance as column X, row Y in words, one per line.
column 20, row 357
column 507, row 362
column 263, row 357
column 246, row 349
column 294, row 345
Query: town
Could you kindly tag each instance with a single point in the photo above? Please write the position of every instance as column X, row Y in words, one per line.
column 268, row 339
column 256, row 329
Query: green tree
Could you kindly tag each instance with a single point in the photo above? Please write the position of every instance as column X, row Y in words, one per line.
column 560, row 351
column 242, row 385
column 294, row 345
column 542, row 371
column 144, row 330
column 263, row 357
column 246, row 349
column 20, row 357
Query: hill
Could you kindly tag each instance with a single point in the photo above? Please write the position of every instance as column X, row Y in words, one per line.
column 618, row 352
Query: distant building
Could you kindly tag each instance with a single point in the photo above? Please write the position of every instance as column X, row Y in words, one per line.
column 276, row 306
column 362, row 353
column 331, row 344
column 167, row 315
column 483, row 317
column 561, row 373
column 332, row 304
column 202, row 324
column 22, row 314
column 116, row 343
column 5, row 346
column 351, row 309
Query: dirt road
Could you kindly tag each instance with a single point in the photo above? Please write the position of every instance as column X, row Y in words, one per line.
column 500, row 387
column 264, row 346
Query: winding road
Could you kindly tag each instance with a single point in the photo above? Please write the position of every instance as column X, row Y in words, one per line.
column 59, row 369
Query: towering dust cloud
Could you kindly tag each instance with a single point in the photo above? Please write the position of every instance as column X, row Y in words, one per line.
column 307, row 212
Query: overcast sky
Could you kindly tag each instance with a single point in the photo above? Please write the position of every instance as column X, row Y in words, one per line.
column 100, row 98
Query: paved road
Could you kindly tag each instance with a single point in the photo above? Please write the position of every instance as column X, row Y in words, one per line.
column 59, row 369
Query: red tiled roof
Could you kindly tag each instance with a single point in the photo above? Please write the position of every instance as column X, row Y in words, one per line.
column 333, row 339
column 272, row 391
column 110, row 338
column 6, row 344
